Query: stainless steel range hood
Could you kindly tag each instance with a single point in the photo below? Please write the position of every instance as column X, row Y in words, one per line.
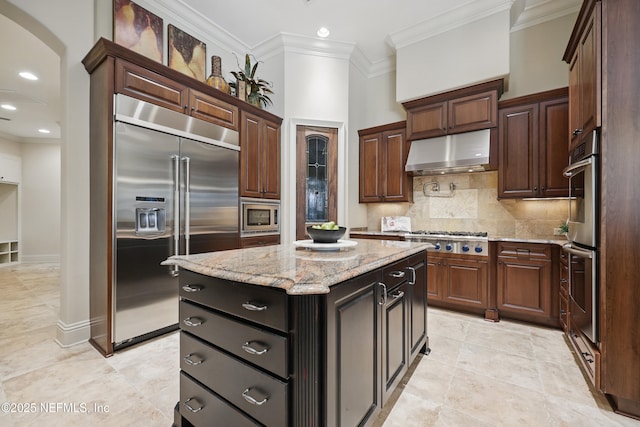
column 463, row 152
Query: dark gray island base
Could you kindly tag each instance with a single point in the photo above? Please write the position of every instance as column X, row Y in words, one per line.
column 307, row 339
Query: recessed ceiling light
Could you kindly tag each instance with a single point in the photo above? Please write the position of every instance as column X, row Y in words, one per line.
column 44, row 131
column 323, row 32
column 27, row 75
column 8, row 107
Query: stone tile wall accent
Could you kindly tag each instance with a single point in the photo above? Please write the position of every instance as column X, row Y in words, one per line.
column 474, row 207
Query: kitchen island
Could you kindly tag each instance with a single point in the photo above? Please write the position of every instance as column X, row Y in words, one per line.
column 284, row 336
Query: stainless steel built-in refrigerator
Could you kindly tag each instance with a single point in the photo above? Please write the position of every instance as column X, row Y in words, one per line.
column 175, row 192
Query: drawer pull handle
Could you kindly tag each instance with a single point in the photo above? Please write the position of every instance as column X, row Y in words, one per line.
column 188, row 359
column 193, row 321
column 191, row 408
column 253, row 307
column 413, row 275
column 247, row 347
column 192, row 288
column 383, row 299
column 397, row 295
column 251, row 400
column 397, row 274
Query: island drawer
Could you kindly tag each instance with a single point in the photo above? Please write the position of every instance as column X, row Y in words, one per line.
column 199, row 406
column 398, row 272
column 258, row 394
column 263, row 305
column 255, row 345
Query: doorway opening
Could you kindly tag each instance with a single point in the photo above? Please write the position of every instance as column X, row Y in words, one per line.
column 316, row 177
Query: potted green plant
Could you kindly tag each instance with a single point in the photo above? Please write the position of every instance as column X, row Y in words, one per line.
column 564, row 228
column 257, row 89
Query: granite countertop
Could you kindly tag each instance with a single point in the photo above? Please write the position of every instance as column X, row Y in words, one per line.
column 298, row 271
column 559, row 241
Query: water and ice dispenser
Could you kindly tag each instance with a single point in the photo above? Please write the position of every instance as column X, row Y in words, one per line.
column 150, row 215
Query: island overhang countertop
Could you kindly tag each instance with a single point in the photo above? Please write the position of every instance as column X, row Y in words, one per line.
column 296, row 270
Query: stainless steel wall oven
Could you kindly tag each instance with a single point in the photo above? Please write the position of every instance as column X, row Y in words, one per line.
column 583, row 172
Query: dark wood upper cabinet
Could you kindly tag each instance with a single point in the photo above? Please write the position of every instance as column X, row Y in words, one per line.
column 533, row 148
column 383, row 155
column 462, row 110
column 584, row 78
column 142, row 83
column 260, row 157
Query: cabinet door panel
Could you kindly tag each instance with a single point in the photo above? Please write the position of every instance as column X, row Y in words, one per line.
column 354, row 352
column 554, row 153
column 518, row 146
column 434, row 273
column 395, row 354
column 575, row 119
column 395, row 188
column 428, row 121
column 371, row 159
column 589, row 76
column 418, row 312
column 213, row 110
column 473, row 112
column 271, row 161
column 524, row 286
column 250, row 154
column 466, row 283
column 140, row 83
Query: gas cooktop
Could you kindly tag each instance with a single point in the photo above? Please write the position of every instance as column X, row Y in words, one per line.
column 456, row 242
column 450, row 233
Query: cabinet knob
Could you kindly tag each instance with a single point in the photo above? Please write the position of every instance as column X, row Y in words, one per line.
column 576, row 132
column 535, row 188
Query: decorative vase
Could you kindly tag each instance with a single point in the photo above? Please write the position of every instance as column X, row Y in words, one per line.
column 215, row 79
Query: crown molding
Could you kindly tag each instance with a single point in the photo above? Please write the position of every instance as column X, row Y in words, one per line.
column 195, row 23
column 546, row 10
column 462, row 15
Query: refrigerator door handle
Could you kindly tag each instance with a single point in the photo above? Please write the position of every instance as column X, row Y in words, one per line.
column 187, row 203
column 176, row 211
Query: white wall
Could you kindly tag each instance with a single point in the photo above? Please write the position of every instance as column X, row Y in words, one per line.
column 316, row 93
column 536, row 57
column 40, row 212
column 476, row 52
column 67, row 26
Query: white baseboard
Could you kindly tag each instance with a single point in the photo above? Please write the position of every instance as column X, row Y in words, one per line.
column 31, row 259
column 69, row 335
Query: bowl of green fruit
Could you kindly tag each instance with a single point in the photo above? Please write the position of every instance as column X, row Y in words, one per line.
column 328, row 232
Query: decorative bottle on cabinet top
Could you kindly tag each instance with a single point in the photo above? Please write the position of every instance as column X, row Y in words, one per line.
column 215, row 79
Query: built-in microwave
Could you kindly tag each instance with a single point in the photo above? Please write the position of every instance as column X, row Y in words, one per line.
column 259, row 216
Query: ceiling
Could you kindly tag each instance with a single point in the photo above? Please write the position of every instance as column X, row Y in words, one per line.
column 373, row 27
column 37, row 102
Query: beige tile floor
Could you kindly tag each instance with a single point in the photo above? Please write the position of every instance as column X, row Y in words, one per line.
column 478, row 373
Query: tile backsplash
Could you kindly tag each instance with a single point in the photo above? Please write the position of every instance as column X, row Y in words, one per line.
column 473, row 206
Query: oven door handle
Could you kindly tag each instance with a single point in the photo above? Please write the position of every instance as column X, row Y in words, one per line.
column 576, row 167
column 568, row 247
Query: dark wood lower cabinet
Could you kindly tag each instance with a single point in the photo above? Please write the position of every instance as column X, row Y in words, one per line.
column 458, row 282
column 320, row 360
column 527, row 284
column 354, row 358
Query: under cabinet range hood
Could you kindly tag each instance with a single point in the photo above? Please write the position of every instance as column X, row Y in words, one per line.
column 462, row 152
